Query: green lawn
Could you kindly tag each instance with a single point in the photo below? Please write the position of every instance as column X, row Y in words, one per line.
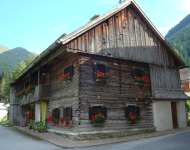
column 3, row 119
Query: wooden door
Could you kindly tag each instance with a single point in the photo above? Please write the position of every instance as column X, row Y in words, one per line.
column 174, row 114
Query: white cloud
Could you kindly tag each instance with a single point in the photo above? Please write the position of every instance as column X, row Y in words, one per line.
column 181, row 18
column 157, row 15
column 165, row 28
column 172, row 12
column 38, row 52
column 56, row 29
column 64, row 26
column 186, row 5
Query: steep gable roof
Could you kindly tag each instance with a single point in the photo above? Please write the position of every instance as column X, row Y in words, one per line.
column 64, row 39
column 114, row 11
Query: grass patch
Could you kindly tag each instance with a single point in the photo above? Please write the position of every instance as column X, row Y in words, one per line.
column 3, row 119
column 7, row 125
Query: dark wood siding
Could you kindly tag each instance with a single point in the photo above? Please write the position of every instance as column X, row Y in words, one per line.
column 125, row 35
column 114, row 94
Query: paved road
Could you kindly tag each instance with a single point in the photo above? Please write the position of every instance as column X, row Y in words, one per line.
column 178, row 141
column 13, row 139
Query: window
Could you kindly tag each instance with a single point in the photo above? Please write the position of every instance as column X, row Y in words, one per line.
column 69, row 70
column 96, row 110
column 138, row 73
column 101, row 68
column 56, row 113
column 132, row 108
column 67, row 112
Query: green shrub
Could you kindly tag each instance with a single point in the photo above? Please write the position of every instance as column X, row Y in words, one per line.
column 40, row 126
column 30, row 125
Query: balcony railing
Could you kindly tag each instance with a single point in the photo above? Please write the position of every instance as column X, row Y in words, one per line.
column 41, row 93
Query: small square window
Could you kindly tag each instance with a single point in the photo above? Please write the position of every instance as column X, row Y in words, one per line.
column 132, row 108
column 97, row 110
column 138, row 73
column 101, row 68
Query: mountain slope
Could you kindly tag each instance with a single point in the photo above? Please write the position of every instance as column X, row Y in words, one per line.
column 180, row 41
column 3, row 49
column 10, row 59
column 183, row 23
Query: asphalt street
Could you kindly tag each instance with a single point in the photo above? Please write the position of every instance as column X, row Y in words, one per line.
column 178, row 141
column 13, row 139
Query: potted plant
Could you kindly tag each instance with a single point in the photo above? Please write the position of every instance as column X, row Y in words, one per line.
column 133, row 117
column 40, row 126
column 66, row 78
column 100, row 76
column 140, row 80
column 98, row 120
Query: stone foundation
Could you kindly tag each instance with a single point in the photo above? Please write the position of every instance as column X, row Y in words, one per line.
column 95, row 135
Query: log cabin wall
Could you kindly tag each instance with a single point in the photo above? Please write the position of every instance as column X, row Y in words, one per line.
column 165, row 79
column 125, row 35
column 114, row 94
column 64, row 94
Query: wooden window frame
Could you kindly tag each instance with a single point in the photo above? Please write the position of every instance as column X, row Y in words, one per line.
column 92, row 112
column 56, row 113
column 134, row 107
column 138, row 72
column 66, row 114
column 69, row 70
column 95, row 68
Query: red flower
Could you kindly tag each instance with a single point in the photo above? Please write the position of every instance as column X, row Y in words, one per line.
column 94, row 73
column 69, row 77
column 108, row 74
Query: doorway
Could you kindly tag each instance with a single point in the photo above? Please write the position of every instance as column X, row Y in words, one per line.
column 174, row 114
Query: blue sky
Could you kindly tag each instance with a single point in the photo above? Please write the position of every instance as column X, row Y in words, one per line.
column 36, row 24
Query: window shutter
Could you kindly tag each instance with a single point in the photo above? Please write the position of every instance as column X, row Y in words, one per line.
column 65, row 71
column 104, row 111
column 64, row 113
column 71, row 70
column 137, row 110
column 143, row 73
column 126, row 111
column 58, row 113
column 95, row 68
column 134, row 73
column 106, row 69
column 91, row 113
column 70, row 113
column 53, row 113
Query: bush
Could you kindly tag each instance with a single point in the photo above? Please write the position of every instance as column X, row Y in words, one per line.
column 40, row 126
column 30, row 125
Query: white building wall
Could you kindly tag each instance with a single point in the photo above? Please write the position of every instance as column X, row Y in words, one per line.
column 37, row 112
column 162, row 115
column 181, row 114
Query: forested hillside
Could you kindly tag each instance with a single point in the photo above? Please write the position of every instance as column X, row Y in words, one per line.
column 180, row 41
column 183, row 23
column 10, row 59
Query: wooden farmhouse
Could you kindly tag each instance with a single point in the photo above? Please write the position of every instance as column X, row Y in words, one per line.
column 124, row 43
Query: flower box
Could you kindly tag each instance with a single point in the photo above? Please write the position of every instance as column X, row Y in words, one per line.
column 69, row 81
column 139, row 83
column 102, row 80
column 98, row 124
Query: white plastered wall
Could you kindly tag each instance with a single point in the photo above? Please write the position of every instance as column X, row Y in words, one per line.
column 181, row 114
column 162, row 115
column 37, row 112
